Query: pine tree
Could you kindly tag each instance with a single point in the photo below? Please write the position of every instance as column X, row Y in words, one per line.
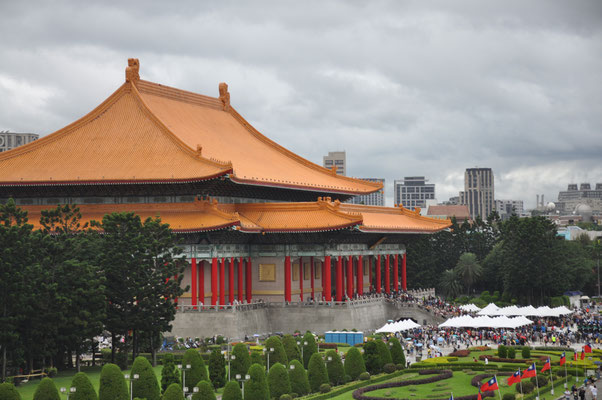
column 334, row 366
column 232, row 391
column 112, row 384
column 397, row 354
column 256, row 388
column 316, row 372
column 354, row 363
column 169, row 372
column 298, row 378
column 383, row 352
column 291, row 348
column 206, row 391
column 173, row 392
column 242, row 361
column 372, row 359
column 217, row 368
column 83, row 388
column 197, row 371
column 278, row 381
column 146, row 386
column 309, row 349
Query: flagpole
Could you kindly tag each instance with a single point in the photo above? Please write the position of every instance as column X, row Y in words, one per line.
column 566, row 375
column 576, row 371
column 551, row 379
column 536, row 383
column 498, row 387
column 520, row 382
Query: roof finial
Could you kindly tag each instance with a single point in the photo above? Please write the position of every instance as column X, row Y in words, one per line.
column 224, row 95
column 132, row 71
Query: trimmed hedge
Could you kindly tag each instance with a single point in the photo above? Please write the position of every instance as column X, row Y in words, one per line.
column 336, row 372
column 372, row 359
column 217, row 368
column 8, row 391
column 397, row 353
column 354, row 363
column 232, row 391
column 278, row 381
column 459, row 353
column 256, row 358
column 46, row 390
column 242, row 362
column 205, row 392
column 146, row 386
column 290, row 347
column 278, row 355
column 83, row 388
column 173, row 392
column 355, row 385
column 316, row 372
column 197, row 371
column 310, row 349
column 169, row 372
column 440, row 375
column 256, row 387
column 383, row 352
column 112, row 384
column 298, row 379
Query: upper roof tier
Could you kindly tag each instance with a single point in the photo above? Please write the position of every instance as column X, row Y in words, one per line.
column 146, row 132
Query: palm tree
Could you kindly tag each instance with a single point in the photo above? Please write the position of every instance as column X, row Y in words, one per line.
column 469, row 270
column 450, row 283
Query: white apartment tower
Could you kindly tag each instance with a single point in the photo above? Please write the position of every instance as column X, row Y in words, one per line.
column 338, row 159
column 478, row 192
column 413, row 191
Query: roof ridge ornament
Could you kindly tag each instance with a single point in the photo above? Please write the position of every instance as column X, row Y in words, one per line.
column 224, row 96
column 132, row 71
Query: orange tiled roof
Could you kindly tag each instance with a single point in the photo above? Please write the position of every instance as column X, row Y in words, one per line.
column 120, row 141
column 459, row 211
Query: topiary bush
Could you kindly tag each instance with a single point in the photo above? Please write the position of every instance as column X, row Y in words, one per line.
column 528, row 387
column 121, row 359
column 364, row 376
column 217, row 369
column 173, row 392
column 508, row 396
column 257, row 358
column 83, row 388
column 256, row 388
column 383, row 352
column 240, row 365
column 298, row 379
column 278, row 381
column 46, row 390
column 205, row 392
column 51, row 372
column 334, row 367
column 397, row 354
column 232, row 391
column 316, row 372
column 526, row 352
column 286, row 397
column 146, row 386
column 540, row 380
column 197, row 371
column 324, row 388
column 112, row 384
column 169, row 372
column 291, row 348
column 511, row 352
column 310, row 349
column 502, row 351
column 8, row 391
column 389, row 368
column 372, row 359
column 278, row 355
column 354, row 363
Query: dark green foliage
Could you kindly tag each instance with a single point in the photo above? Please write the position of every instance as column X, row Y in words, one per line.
column 372, row 360
column 286, row 397
column 310, row 349
column 83, row 388
column 112, row 384
column 232, row 391
column 334, row 366
column 316, row 372
column 205, row 392
column 364, row 376
column 324, row 388
column 469, row 270
column 383, row 352
column 169, row 372
column 197, row 371
column 389, row 368
column 173, row 392
column 298, row 378
column 511, row 352
column 46, row 390
column 121, row 359
column 397, row 354
column 502, row 351
column 526, row 352
column 291, row 348
column 217, row 369
column 256, row 388
column 242, row 362
column 541, row 380
column 146, row 386
column 8, row 391
column 354, row 363
column 528, row 387
column 278, row 381
column 257, row 358
column 508, row 396
column 278, row 355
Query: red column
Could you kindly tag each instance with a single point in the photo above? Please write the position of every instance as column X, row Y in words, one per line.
column 396, row 272
column 240, row 274
column 301, row 278
column 249, row 289
column 202, row 282
column 326, row 289
column 231, row 282
column 350, row 277
column 404, row 282
column 387, row 275
column 287, row 278
column 193, row 298
column 339, row 280
column 360, row 275
column 370, row 262
column 213, row 281
column 222, row 282
column 311, row 271
column 377, row 277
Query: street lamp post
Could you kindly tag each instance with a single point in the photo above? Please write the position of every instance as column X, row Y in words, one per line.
column 184, row 369
column 130, row 378
column 302, row 347
column 232, row 357
column 240, row 379
column 68, row 392
column 268, row 351
column 194, row 390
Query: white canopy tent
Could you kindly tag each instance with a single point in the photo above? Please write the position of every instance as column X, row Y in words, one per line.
column 485, row 321
column 399, row 326
column 490, row 309
column 470, row 307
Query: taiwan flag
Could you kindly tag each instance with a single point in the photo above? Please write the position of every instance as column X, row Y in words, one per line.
column 582, row 355
column 491, row 384
column 587, row 348
column 546, row 366
column 479, row 396
column 575, row 356
column 530, row 372
column 514, row 378
column 562, row 359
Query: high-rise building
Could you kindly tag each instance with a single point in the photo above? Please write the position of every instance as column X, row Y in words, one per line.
column 576, row 195
column 338, row 159
column 10, row 140
column 413, row 191
column 505, row 208
column 372, row 199
column 478, row 192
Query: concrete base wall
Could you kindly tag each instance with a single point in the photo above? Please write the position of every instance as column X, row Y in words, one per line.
column 276, row 317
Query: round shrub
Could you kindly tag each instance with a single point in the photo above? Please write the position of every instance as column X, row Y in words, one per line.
column 389, row 368
column 242, row 362
column 291, row 348
column 502, row 351
column 324, row 388
column 354, row 363
column 146, row 386
column 511, row 352
column 278, row 381
column 383, row 352
column 286, row 397
column 397, row 354
column 278, row 355
column 8, row 391
column 256, row 388
column 46, row 390
column 528, row 387
column 334, row 366
column 232, row 391
column 205, row 392
column 526, row 352
column 561, row 373
column 173, row 392
column 217, row 368
column 540, row 381
column 169, row 372
column 508, row 396
column 310, row 349
column 316, row 372
column 197, row 371
column 298, row 379
column 83, row 388
column 372, row 358
column 399, row 367
column 51, row 372
column 257, row 358
column 112, row 384
column 364, row 376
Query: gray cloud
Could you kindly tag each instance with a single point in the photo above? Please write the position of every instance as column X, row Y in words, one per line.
column 405, row 87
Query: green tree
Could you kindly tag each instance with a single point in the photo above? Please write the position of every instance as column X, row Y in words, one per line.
column 298, row 378
column 256, row 387
column 173, row 392
column 468, row 270
column 146, row 386
column 8, row 391
column 450, row 283
column 112, row 384
column 291, row 348
column 83, row 388
column 383, row 352
column 242, row 361
column 334, row 367
column 257, row 358
column 397, row 354
column 205, row 392
column 169, row 372
column 46, row 390
column 354, row 363
column 316, row 372
column 372, row 359
column 197, row 371
column 278, row 381
column 217, row 368
column 232, row 391
column 309, row 349
column 278, row 355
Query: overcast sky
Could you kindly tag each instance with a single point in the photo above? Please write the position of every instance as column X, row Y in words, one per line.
column 404, row 87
